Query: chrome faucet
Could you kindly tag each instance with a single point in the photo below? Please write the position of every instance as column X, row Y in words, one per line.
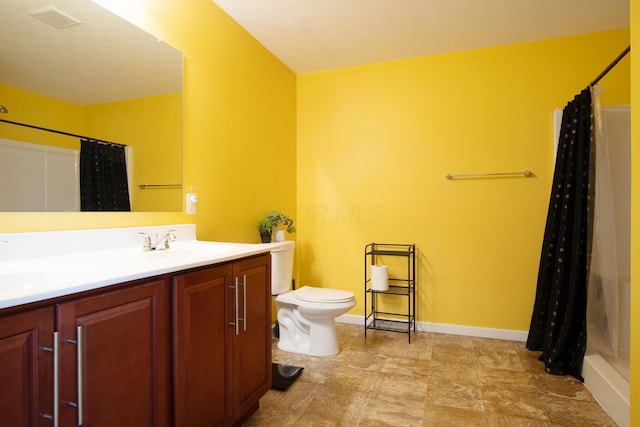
column 162, row 241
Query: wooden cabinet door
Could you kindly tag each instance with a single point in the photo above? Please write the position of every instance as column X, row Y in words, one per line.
column 252, row 344
column 201, row 361
column 114, row 358
column 26, row 369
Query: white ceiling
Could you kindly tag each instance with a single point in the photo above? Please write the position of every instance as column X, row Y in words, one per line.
column 315, row 35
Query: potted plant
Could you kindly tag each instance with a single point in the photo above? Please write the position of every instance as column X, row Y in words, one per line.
column 275, row 223
column 265, row 228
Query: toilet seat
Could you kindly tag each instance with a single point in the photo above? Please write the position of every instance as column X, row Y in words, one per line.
column 322, row 295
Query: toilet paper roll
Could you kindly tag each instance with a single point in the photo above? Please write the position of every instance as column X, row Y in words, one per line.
column 379, row 278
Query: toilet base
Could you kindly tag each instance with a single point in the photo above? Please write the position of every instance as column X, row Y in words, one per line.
column 318, row 338
column 305, row 349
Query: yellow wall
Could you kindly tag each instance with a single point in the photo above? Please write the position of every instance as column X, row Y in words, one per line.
column 239, row 128
column 374, row 145
column 31, row 108
column 635, row 214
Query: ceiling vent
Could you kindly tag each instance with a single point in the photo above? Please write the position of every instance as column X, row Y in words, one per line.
column 54, row 17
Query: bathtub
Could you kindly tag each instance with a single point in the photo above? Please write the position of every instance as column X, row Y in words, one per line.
column 607, row 378
column 608, row 387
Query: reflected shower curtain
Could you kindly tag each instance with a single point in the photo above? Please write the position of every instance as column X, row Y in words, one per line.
column 558, row 321
column 608, row 304
column 103, row 177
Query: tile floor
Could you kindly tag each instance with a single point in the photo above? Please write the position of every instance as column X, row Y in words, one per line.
column 437, row 380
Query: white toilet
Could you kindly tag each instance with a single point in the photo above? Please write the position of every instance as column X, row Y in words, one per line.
column 306, row 316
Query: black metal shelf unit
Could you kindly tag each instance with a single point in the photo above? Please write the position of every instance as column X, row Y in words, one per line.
column 404, row 286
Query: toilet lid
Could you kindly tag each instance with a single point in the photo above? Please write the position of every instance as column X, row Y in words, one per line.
column 311, row 294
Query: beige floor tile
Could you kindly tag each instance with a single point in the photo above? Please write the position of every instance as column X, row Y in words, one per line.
column 393, row 410
column 443, row 392
column 495, row 354
column 507, row 379
column 295, row 399
column 459, row 341
column 460, row 373
column 400, row 386
column 513, row 401
column 560, row 386
column 335, row 406
column 273, row 416
column 529, row 360
column 573, row 412
column 453, row 349
column 497, row 419
column 437, row 380
column 353, row 379
column 414, row 368
column 446, row 416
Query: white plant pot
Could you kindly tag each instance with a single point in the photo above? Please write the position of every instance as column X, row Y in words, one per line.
column 279, row 236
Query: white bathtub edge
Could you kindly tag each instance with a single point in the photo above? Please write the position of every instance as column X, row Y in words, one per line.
column 608, row 387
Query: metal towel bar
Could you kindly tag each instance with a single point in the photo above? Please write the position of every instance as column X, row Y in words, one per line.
column 525, row 173
column 148, row 186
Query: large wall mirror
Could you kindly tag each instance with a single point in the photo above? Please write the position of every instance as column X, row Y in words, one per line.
column 73, row 67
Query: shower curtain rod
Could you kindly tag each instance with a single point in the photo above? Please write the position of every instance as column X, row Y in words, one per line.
column 99, row 141
column 613, row 64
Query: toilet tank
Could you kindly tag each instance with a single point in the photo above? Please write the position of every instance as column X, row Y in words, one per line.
column 282, row 267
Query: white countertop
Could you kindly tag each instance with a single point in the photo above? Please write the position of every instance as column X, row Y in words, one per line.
column 26, row 279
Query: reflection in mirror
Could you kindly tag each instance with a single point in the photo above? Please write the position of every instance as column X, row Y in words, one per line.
column 72, row 66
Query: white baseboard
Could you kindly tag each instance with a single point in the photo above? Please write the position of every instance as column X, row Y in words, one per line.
column 444, row 328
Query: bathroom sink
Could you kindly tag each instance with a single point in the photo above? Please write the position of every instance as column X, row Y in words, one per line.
column 190, row 253
column 41, row 277
column 18, row 279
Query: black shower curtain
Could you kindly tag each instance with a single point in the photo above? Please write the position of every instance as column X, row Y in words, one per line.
column 103, row 177
column 558, row 322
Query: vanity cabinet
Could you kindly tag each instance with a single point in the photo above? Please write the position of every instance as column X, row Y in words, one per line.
column 201, row 364
column 221, row 342
column 251, row 349
column 101, row 360
column 26, row 368
column 190, row 348
column 115, row 357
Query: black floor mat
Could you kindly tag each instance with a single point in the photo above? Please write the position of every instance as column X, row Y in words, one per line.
column 284, row 375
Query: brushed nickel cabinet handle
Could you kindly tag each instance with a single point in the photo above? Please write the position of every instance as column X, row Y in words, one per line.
column 244, row 293
column 79, row 356
column 237, row 319
column 56, row 393
column 56, row 379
